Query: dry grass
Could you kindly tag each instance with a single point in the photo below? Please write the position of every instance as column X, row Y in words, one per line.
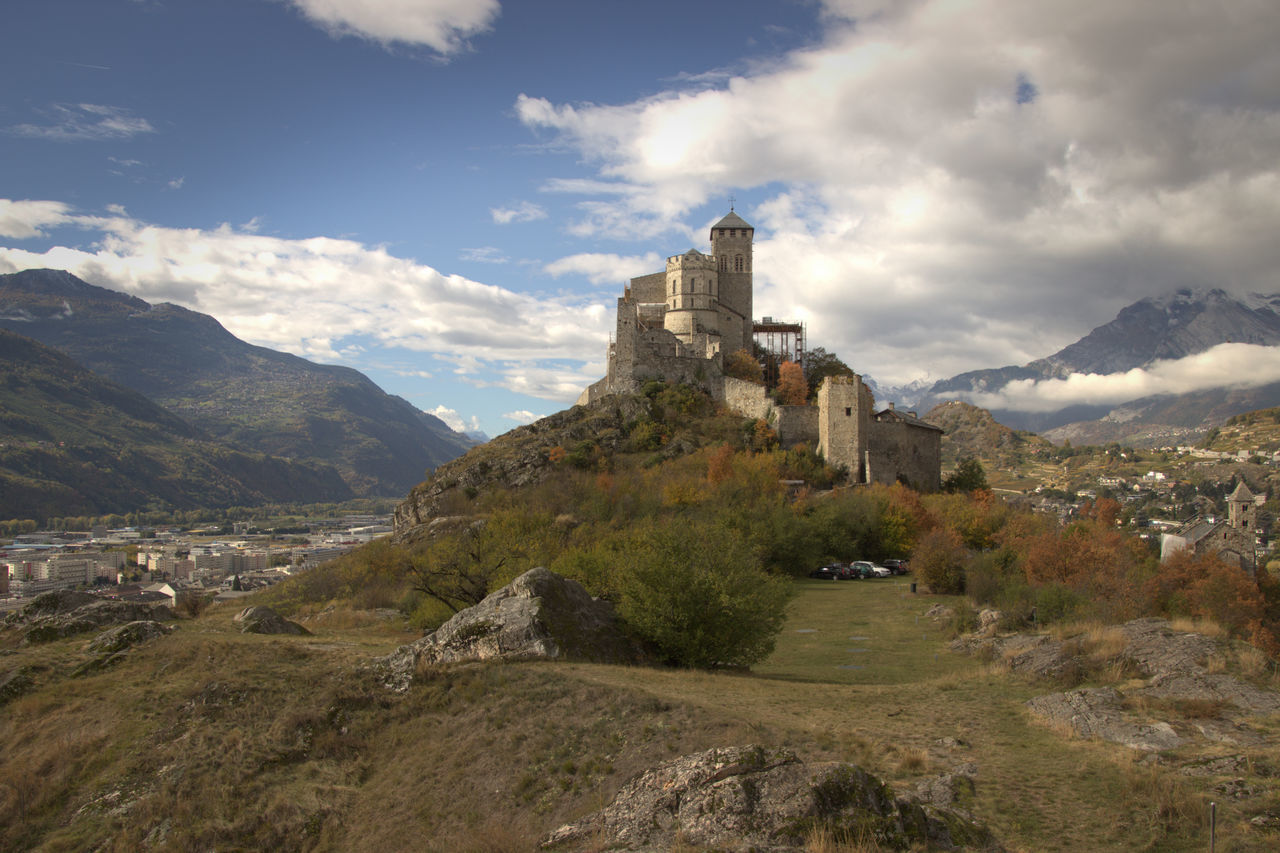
column 1206, row 627
column 246, row 742
column 823, row 841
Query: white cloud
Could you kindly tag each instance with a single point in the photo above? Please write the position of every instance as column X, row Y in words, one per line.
column 84, row 122
column 522, row 416
column 25, row 219
column 924, row 211
column 484, row 255
column 442, row 25
column 525, row 211
column 454, row 420
column 603, row 268
column 176, row 183
column 278, row 292
column 1223, row 366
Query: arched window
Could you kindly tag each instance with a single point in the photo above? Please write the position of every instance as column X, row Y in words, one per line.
column 724, row 263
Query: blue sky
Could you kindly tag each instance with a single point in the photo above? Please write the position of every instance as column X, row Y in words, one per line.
column 450, row 194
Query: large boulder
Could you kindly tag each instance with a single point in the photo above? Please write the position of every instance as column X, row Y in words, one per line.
column 752, row 798
column 264, row 620
column 538, row 615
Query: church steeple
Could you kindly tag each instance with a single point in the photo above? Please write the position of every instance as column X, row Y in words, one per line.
column 1242, row 512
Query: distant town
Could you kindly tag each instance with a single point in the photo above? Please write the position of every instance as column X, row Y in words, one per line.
column 154, row 564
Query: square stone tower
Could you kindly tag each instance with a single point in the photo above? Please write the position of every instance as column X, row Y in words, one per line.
column 731, row 241
column 844, row 424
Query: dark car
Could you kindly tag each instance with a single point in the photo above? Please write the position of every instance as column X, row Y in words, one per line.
column 898, row 567
column 862, row 569
column 832, row 572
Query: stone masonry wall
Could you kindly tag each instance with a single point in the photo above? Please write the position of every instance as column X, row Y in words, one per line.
column 898, row 450
column 796, row 425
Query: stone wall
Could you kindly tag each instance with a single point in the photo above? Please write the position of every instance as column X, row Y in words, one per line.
column 796, row 425
column 746, row 398
column 901, row 451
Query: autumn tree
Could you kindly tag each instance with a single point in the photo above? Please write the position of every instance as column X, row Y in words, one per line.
column 792, row 388
column 939, row 561
column 739, row 364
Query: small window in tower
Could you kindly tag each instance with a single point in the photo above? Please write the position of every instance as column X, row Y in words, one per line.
column 737, row 263
column 724, row 264
column 848, row 411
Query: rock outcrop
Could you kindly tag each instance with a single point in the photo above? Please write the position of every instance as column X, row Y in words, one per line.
column 65, row 613
column 1175, row 666
column 1098, row 712
column 752, row 798
column 264, row 620
column 126, row 636
column 538, row 615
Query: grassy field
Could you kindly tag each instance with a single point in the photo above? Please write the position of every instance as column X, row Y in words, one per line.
column 209, row 739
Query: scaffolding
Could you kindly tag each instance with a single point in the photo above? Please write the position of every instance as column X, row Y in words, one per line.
column 777, row 341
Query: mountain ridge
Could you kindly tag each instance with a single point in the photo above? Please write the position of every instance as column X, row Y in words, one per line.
column 1183, row 323
column 240, row 394
column 73, row 443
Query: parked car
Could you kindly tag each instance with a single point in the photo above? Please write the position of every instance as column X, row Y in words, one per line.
column 898, row 567
column 881, row 571
column 831, row 573
column 863, row 569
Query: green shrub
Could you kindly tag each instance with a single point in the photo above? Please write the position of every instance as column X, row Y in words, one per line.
column 700, row 596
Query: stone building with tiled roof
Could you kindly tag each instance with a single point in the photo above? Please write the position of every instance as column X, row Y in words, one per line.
column 1233, row 540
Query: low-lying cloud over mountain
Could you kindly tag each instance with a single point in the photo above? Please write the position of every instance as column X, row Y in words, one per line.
column 1187, row 343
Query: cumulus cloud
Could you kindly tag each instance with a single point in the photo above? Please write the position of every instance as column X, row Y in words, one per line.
column 953, row 186
column 1222, row 366
column 454, row 420
column 525, row 211
column 522, row 416
column 323, row 297
column 604, row 268
column 442, row 25
column 84, row 122
column 25, row 219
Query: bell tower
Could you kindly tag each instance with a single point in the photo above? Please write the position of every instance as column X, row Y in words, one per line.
column 731, row 240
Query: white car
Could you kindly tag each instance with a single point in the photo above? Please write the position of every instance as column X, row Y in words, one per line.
column 881, row 571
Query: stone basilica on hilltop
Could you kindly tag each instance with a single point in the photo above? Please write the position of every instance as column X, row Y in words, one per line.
column 678, row 325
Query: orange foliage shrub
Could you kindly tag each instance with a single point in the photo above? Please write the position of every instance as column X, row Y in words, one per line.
column 720, row 465
column 793, row 390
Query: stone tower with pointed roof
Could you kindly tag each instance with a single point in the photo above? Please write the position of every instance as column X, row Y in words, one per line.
column 731, row 241
column 1242, row 510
